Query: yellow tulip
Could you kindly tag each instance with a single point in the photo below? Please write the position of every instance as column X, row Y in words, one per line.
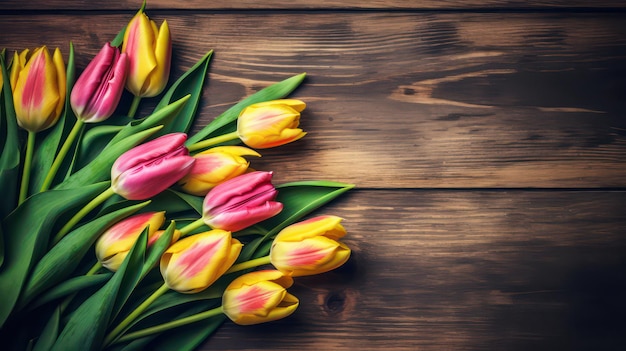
column 149, row 52
column 271, row 123
column 214, row 166
column 310, row 247
column 115, row 243
column 259, row 297
column 38, row 84
column 193, row 263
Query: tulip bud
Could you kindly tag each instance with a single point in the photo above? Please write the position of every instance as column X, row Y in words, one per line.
column 241, row 202
column 272, row 123
column 215, row 166
column 149, row 51
column 38, row 85
column 98, row 90
column 115, row 243
column 259, row 297
column 148, row 169
column 310, row 247
column 193, row 263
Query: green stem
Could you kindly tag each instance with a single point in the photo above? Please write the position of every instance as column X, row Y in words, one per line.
column 213, row 141
column 67, row 144
column 82, row 213
column 133, row 106
column 170, row 325
column 115, row 333
column 28, row 160
column 184, row 231
column 249, row 264
column 93, row 270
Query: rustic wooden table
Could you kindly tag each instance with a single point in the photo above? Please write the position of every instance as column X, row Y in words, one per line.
column 487, row 140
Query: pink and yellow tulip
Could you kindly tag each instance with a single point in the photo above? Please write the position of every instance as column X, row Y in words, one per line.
column 215, row 166
column 98, row 90
column 38, row 83
column 115, row 243
column 150, row 52
column 148, row 169
column 193, row 263
column 241, row 202
column 310, row 247
column 271, row 123
column 259, row 297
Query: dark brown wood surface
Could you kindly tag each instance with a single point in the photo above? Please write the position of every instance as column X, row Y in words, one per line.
column 487, row 140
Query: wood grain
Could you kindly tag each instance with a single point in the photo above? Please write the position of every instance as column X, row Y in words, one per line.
column 409, row 100
column 462, row 270
column 306, row 4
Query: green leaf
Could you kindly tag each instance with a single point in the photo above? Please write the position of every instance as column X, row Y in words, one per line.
column 47, row 149
column 87, row 326
column 49, row 334
column 163, row 116
column 172, row 202
column 64, row 257
column 10, row 157
column 92, row 142
column 158, row 248
column 275, row 91
column 190, row 83
column 189, row 337
column 31, row 225
column 298, row 199
column 100, row 168
column 69, row 287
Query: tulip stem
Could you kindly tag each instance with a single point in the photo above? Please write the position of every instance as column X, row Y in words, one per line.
column 249, row 264
column 78, row 126
column 213, row 141
column 133, row 106
column 28, row 160
column 82, row 213
column 170, row 325
column 115, row 333
column 184, row 231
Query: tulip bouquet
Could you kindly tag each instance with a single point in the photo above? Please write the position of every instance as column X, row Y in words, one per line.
column 123, row 232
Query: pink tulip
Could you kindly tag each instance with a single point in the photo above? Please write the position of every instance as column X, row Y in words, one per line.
column 98, row 90
column 241, row 202
column 146, row 170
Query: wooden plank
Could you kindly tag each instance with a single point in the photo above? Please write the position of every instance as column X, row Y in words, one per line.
column 408, row 100
column 305, row 4
column 462, row 270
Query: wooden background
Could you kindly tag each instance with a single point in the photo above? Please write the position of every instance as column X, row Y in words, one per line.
column 487, row 140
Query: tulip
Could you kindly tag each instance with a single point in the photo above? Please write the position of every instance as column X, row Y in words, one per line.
column 193, row 263
column 115, row 243
column 259, row 297
column 99, row 88
column 150, row 168
column 215, row 166
column 149, row 51
column 271, row 123
column 310, row 247
column 241, row 202
column 38, row 85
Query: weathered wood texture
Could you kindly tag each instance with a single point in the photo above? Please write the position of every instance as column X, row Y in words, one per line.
column 475, row 270
column 414, row 105
column 306, row 4
column 410, row 99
